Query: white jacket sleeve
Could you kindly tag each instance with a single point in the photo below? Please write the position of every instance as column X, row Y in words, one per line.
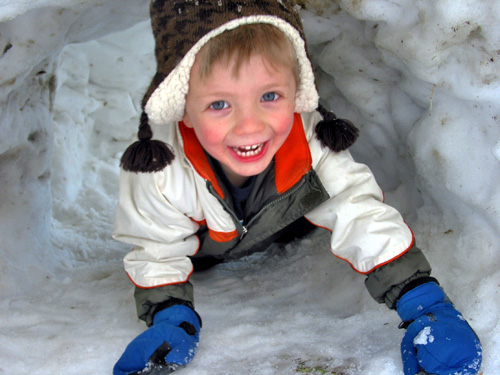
column 160, row 228
column 366, row 232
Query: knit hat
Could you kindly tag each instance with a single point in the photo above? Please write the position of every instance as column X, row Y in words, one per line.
column 181, row 29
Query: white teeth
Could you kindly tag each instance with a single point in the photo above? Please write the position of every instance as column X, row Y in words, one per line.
column 247, row 151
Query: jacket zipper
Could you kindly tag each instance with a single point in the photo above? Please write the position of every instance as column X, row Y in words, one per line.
column 243, row 229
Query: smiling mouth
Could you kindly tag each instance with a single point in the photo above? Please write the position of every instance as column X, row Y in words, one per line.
column 248, row 151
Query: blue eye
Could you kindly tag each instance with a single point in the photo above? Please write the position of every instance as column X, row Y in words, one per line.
column 270, row 96
column 218, row 105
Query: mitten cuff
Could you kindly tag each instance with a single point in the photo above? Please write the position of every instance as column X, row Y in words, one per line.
column 177, row 315
column 415, row 302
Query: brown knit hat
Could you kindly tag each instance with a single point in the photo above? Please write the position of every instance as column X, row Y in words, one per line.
column 181, row 29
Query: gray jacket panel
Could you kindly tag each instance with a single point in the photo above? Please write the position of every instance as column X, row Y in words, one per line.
column 148, row 300
column 386, row 282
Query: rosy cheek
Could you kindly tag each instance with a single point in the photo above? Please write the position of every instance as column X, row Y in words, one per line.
column 284, row 125
column 210, row 136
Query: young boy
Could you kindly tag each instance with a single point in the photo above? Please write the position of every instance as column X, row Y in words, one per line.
column 241, row 158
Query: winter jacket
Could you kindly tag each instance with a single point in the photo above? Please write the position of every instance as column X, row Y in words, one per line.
column 185, row 211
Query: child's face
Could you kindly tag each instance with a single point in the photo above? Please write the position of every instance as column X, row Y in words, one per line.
column 241, row 120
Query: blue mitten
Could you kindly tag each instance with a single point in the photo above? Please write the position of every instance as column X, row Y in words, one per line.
column 438, row 339
column 168, row 344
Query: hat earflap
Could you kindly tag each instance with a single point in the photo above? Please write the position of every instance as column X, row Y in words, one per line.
column 335, row 133
column 146, row 155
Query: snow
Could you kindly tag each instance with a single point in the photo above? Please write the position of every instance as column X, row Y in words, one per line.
column 424, row 337
column 420, row 79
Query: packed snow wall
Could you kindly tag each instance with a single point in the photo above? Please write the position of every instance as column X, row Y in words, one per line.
column 420, row 79
column 32, row 36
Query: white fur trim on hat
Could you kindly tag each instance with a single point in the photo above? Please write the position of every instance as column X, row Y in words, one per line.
column 166, row 104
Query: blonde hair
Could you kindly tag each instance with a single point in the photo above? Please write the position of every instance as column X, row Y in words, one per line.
column 245, row 41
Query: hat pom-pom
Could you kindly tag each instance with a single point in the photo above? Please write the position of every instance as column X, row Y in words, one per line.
column 335, row 133
column 146, row 155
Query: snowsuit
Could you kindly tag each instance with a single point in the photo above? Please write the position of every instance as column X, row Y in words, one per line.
column 185, row 211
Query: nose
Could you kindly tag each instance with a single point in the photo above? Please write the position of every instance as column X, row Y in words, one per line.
column 248, row 121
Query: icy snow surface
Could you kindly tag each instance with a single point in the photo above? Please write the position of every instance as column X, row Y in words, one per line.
column 420, row 79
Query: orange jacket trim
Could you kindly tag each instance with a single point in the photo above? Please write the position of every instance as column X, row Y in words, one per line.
column 293, row 159
column 222, row 236
column 194, row 152
column 215, row 235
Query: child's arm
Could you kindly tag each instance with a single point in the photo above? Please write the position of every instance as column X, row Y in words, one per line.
column 155, row 215
column 374, row 239
column 365, row 231
column 386, row 282
column 163, row 235
column 438, row 339
column 152, row 300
